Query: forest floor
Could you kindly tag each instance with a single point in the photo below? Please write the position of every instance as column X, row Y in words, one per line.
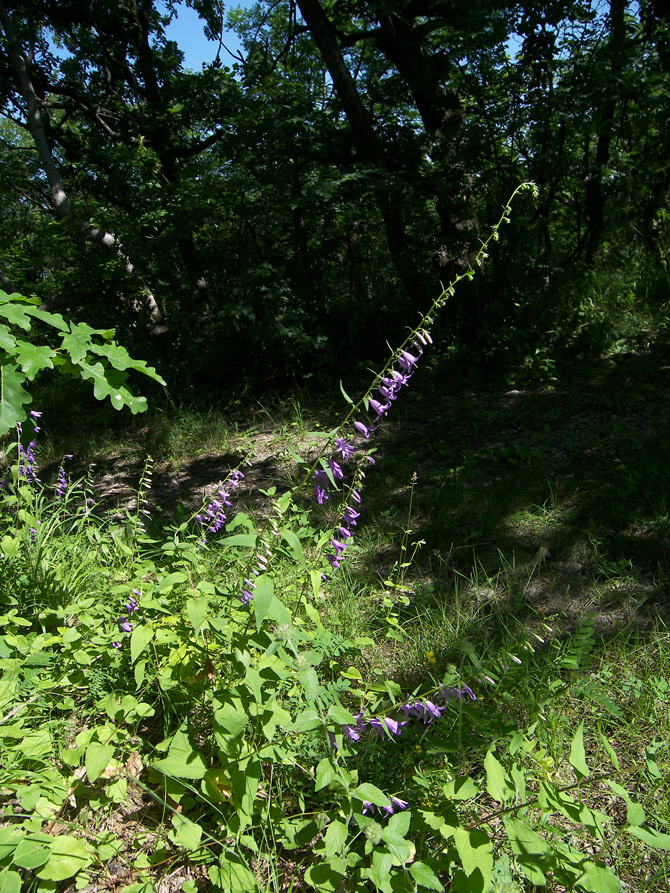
column 501, row 515
column 553, row 497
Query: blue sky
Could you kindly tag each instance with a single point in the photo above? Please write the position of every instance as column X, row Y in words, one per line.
column 188, row 31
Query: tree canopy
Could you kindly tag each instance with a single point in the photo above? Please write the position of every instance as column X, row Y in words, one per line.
column 259, row 217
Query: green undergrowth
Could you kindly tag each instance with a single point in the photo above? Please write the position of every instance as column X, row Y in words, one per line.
column 198, row 742
column 463, row 686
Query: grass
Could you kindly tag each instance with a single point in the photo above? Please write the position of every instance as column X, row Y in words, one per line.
column 514, row 542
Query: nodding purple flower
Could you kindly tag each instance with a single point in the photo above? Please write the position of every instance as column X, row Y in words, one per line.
column 425, row 710
column 388, row 726
column 350, row 517
column 116, row 644
column 391, row 725
column 356, row 496
column 406, row 360
column 367, row 807
column 321, row 485
column 345, row 449
column 378, row 409
column 334, row 561
column 336, row 471
column 125, row 625
column 131, row 606
column 448, row 693
column 246, row 596
column 364, row 429
column 396, row 803
column 351, row 733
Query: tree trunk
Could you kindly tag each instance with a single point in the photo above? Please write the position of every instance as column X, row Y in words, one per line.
column 595, row 196
column 61, row 203
column 366, row 142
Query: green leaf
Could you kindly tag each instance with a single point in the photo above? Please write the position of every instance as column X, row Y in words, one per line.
column 263, row 595
column 598, row 879
column 475, row 852
column 120, row 359
column 610, row 752
column 98, row 757
column 68, row 856
column 295, row 546
column 232, row 874
column 10, row 881
column 382, row 863
column 635, row 814
column 33, row 358
column 397, row 844
column 77, row 342
column 306, row 721
column 325, row 773
column 240, row 539
column 245, row 778
column 111, row 383
column 230, row 721
column 345, row 395
column 577, row 754
column 15, row 312
column 326, row 876
column 7, row 340
column 139, row 641
column 399, row 823
column 371, row 793
column 183, row 759
column 534, row 854
column 340, row 715
column 651, row 837
column 30, row 854
column 197, row 610
column 497, row 781
column 168, row 582
column 461, row 788
column 310, row 683
column 13, row 397
column 425, row 876
column 11, row 837
column 335, row 838
column 186, row 834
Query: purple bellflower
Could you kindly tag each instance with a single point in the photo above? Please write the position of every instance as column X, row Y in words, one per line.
column 214, row 516
column 345, row 449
